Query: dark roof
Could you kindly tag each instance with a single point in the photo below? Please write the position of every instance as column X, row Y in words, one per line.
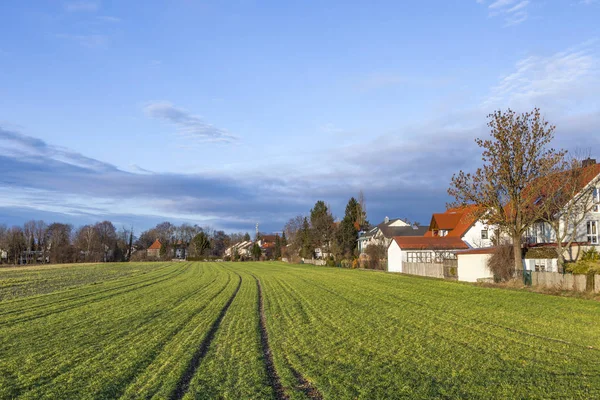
column 391, row 231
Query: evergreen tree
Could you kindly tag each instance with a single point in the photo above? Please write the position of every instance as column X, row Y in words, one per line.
column 306, row 248
column 277, row 249
column 247, row 237
column 201, row 243
column 256, row 251
column 347, row 232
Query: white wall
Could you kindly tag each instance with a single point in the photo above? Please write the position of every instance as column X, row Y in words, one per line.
column 472, row 267
column 473, row 235
column 551, row 264
column 394, row 257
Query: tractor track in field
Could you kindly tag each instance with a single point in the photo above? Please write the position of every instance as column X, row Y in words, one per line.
column 184, row 383
column 272, row 375
column 305, row 386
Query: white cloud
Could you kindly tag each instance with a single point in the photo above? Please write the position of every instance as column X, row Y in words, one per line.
column 512, row 13
column 189, row 125
column 82, row 6
column 566, row 78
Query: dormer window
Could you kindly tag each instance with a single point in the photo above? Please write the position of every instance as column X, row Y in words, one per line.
column 443, row 232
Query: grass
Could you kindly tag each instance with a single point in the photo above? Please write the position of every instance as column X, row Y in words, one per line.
column 192, row 330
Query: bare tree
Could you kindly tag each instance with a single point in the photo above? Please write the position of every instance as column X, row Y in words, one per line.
column 16, row 243
column 29, row 232
column 506, row 187
column 86, row 243
column 3, row 241
column 41, row 238
column 107, row 237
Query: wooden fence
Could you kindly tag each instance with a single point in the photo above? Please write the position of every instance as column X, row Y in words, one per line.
column 566, row 281
column 423, row 269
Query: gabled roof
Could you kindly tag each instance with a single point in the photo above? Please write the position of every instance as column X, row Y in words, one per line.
column 268, row 238
column 456, row 221
column 390, row 231
column 430, row 243
column 155, row 246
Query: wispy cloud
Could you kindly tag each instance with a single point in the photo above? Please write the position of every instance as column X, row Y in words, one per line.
column 82, row 6
column 514, row 12
column 90, row 41
column 188, row 125
column 567, row 76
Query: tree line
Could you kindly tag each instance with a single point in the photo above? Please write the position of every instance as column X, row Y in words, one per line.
column 38, row 242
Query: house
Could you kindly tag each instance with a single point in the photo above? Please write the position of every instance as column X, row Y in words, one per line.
column 463, row 223
column 383, row 233
column 242, row 249
column 154, row 249
column 181, row 250
column 406, row 250
column 584, row 207
column 455, row 229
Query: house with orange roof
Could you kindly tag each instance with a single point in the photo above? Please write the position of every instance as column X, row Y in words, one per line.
column 154, row 249
column 465, row 223
column 585, row 207
column 455, row 229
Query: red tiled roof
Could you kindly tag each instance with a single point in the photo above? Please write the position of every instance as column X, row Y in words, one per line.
column 430, row 243
column 155, row 246
column 456, row 221
column 268, row 238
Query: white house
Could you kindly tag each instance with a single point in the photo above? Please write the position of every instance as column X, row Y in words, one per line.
column 383, row 233
column 463, row 223
column 244, row 249
column 583, row 225
column 421, row 249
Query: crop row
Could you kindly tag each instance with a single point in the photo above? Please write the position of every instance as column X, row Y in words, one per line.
column 273, row 330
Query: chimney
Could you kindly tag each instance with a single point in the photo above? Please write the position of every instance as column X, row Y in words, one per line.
column 386, row 220
column 588, row 162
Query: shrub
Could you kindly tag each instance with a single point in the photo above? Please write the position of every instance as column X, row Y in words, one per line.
column 587, row 264
column 376, row 254
column 502, row 263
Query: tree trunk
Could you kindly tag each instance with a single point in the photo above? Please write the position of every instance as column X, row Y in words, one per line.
column 517, row 253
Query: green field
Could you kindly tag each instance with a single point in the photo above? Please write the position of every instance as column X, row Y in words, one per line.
column 274, row 330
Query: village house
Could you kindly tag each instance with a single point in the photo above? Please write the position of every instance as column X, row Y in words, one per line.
column 448, row 232
column 585, row 208
column 383, row 233
column 154, row 249
column 243, row 249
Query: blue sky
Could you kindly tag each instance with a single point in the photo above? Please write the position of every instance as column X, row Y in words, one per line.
column 228, row 113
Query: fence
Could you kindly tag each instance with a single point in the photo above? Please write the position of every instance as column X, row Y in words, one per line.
column 566, row 281
column 313, row 261
column 423, row 269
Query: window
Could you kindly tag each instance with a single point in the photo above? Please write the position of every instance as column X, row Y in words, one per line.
column 596, row 200
column 484, row 234
column 443, row 232
column 540, row 265
column 419, row 256
column 592, row 232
